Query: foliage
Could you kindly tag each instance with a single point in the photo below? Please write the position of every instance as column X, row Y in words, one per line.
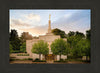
column 71, row 33
column 13, row 35
column 83, row 47
column 72, row 40
column 23, row 47
column 88, row 34
column 59, row 32
column 11, row 48
column 37, row 60
column 25, row 36
column 78, row 44
column 40, row 47
column 80, row 35
column 14, row 40
column 67, row 51
column 58, row 47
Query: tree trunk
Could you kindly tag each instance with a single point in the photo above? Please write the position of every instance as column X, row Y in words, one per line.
column 40, row 56
column 44, row 57
column 86, row 58
column 60, row 57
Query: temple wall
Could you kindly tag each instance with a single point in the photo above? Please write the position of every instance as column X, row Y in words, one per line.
column 29, row 44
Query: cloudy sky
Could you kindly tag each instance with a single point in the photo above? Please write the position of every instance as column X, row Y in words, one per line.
column 36, row 21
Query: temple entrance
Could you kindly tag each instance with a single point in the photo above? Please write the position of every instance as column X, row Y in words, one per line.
column 50, row 58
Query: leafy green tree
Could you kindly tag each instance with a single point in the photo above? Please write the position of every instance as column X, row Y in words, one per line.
column 23, row 47
column 67, row 50
column 16, row 44
column 59, row 32
column 71, row 33
column 14, row 40
column 58, row 47
column 25, row 36
column 40, row 47
column 72, row 41
column 10, row 48
column 13, row 35
column 74, row 37
column 83, row 48
column 79, row 35
column 88, row 34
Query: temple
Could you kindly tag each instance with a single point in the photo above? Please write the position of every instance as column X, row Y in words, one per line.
column 49, row 38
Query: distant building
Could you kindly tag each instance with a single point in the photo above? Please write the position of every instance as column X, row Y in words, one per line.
column 49, row 38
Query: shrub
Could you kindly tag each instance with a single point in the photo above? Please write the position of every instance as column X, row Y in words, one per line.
column 14, row 59
column 37, row 60
column 30, row 59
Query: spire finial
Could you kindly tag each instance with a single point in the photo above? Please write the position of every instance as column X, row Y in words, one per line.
column 49, row 16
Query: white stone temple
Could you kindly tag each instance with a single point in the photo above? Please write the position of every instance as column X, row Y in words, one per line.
column 49, row 38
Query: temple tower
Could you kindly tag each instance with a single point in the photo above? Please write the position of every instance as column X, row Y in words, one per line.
column 49, row 26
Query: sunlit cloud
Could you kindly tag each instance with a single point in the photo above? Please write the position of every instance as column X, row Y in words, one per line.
column 33, row 17
column 18, row 23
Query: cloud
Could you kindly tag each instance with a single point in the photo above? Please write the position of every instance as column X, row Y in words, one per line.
column 33, row 17
column 18, row 23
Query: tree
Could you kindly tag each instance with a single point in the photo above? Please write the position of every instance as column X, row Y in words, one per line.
column 73, row 39
column 23, row 47
column 59, row 32
column 13, row 35
column 71, row 33
column 80, row 35
column 14, row 40
column 25, row 36
column 83, row 48
column 88, row 34
column 40, row 47
column 10, row 48
column 67, row 50
column 16, row 44
column 58, row 47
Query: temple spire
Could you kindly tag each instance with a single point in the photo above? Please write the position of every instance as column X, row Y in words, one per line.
column 49, row 16
column 49, row 26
